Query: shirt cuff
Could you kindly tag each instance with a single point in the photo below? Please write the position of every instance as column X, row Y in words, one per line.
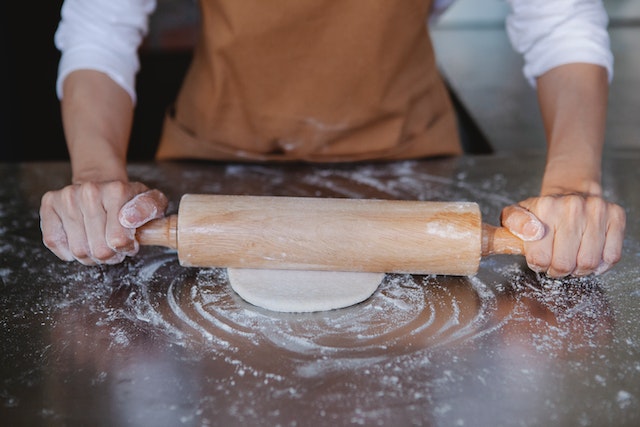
column 93, row 58
column 588, row 54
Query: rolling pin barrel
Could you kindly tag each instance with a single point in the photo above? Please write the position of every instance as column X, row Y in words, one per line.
column 328, row 234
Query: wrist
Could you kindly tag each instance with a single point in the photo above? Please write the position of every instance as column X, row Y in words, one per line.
column 571, row 183
column 572, row 172
column 98, row 169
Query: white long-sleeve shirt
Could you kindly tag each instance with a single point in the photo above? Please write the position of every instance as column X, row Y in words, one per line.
column 104, row 35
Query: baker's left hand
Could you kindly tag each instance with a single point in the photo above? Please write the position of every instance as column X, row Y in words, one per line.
column 568, row 234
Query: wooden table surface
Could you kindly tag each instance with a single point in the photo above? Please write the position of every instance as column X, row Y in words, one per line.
column 148, row 342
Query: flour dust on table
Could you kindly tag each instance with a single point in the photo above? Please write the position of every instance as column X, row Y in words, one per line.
column 197, row 308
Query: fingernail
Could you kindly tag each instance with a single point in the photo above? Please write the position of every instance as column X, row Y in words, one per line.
column 527, row 231
column 536, row 268
column 134, row 250
column 601, row 268
column 128, row 216
column 116, row 259
column 532, row 230
column 132, row 214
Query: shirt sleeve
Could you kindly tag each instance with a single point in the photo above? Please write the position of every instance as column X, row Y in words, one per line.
column 550, row 33
column 102, row 35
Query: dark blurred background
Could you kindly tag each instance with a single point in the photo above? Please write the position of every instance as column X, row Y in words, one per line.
column 30, row 124
column 495, row 103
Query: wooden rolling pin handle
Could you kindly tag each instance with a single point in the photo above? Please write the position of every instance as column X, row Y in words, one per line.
column 159, row 232
column 499, row 240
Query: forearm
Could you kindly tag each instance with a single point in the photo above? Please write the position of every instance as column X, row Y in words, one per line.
column 93, row 221
column 583, row 233
column 573, row 101
column 97, row 116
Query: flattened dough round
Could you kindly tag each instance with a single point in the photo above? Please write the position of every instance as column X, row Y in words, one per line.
column 302, row 291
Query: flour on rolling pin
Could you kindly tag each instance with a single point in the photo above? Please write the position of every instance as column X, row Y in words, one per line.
column 314, row 290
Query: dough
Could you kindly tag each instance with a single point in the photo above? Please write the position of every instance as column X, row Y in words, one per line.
column 302, row 291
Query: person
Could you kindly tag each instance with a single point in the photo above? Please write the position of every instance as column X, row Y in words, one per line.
column 326, row 81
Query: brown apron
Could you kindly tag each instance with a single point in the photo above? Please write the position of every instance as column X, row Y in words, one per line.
column 312, row 80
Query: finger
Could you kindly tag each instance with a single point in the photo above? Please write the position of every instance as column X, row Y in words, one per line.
column 72, row 223
column 612, row 252
column 538, row 253
column 54, row 236
column 522, row 223
column 566, row 244
column 78, row 243
column 120, row 239
column 590, row 253
column 94, row 217
column 143, row 208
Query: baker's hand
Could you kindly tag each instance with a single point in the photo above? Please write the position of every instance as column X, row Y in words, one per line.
column 95, row 222
column 568, row 234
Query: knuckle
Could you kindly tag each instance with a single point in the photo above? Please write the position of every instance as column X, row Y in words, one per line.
column 546, row 203
column 47, row 199
column 51, row 242
column 618, row 214
column 597, row 208
column 120, row 243
column 612, row 256
column 86, row 261
column 102, row 253
column 136, row 187
column 90, row 191
column 160, row 197
column 79, row 252
column 562, row 266
column 117, row 188
column 588, row 262
column 539, row 260
column 575, row 205
column 116, row 259
column 68, row 198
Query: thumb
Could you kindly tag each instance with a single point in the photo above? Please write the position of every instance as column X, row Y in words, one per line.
column 522, row 223
column 143, row 208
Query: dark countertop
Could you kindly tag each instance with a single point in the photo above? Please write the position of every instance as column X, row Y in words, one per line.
column 151, row 343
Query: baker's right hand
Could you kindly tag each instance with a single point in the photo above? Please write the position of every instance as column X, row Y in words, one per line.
column 95, row 222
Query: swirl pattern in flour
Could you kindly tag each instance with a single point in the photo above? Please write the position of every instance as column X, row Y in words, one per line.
column 407, row 314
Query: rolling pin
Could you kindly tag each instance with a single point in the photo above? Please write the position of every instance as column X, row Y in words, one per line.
column 304, row 233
